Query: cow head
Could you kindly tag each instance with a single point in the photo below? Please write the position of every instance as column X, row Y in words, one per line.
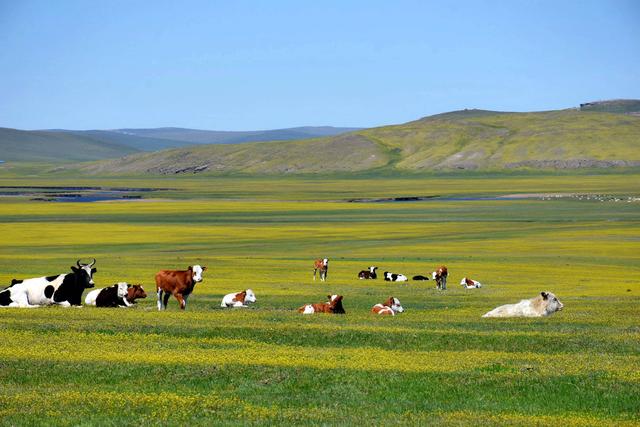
column 197, row 271
column 394, row 304
column 250, row 296
column 85, row 272
column 335, row 304
column 325, row 262
column 551, row 303
column 372, row 269
column 134, row 292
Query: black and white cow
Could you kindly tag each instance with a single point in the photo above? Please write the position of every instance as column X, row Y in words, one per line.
column 368, row 274
column 393, row 277
column 62, row 289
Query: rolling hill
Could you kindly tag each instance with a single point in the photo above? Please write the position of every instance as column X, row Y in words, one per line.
column 50, row 146
column 60, row 145
column 466, row 139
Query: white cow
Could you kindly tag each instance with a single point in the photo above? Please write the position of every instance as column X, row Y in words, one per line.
column 240, row 299
column 62, row 289
column 544, row 304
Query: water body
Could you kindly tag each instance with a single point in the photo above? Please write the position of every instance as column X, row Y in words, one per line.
column 76, row 194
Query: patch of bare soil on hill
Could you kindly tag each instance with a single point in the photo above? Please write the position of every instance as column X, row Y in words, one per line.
column 571, row 164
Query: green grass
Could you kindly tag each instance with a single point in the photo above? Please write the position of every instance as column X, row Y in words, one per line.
column 437, row 363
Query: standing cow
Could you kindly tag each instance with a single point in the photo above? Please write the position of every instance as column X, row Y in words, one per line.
column 321, row 265
column 178, row 283
column 61, row 289
column 440, row 276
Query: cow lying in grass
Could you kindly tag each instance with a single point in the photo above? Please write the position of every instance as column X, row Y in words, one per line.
column 121, row 294
column 368, row 274
column 544, row 304
column 240, row 299
column 393, row 277
column 333, row 306
column 61, row 289
column 390, row 307
column 113, row 296
column 420, row 278
column 470, row 283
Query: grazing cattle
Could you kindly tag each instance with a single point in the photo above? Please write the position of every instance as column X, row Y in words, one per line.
column 240, row 299
column 544, row 304
column 61, row 289
column 440, row 276
column 470, row 283
column 393, row 277
column 321, row 265
column 390, row 307
column 333, row 306
column 179, row 283
column 420, row 278
column 368, row 274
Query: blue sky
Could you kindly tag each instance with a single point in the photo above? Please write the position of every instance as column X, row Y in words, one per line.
column 241, row 65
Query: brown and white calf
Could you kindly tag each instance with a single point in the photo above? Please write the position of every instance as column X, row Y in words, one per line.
column 470, row 283
column 333, row 306
column 321, row 265
column 240, row 299
column 179, row 283
column 135, row 292
column 390, row 307
column 544, row 304
column 440, row 276
column 368, row 274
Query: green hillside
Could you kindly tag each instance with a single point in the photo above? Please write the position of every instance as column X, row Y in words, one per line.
column 52, row 146
column 625, row 106
column 468, row 139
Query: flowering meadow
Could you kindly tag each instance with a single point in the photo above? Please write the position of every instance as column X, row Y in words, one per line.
column 438, row 363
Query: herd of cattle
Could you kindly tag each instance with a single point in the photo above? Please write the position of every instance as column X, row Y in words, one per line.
column 67, row 289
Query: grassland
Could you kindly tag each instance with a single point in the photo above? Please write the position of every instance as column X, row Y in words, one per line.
column 438, row 363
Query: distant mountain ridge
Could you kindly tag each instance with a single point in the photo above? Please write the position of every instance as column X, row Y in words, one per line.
column 197, row 136
column 61, row 145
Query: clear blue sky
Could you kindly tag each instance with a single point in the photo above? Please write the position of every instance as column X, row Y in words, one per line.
column 241, row 65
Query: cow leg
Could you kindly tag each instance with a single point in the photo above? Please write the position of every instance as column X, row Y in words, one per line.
column 186, row 297
column 167, row 295
column 159, row 292
column 444, row 283
column 314, row 273
column 183, row 303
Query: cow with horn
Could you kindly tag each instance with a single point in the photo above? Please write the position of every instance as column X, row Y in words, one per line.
column 61, row 289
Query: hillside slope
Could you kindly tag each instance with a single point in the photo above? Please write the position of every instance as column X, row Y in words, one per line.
column 197, row 136
column 623, row 106
column 468, row 139
column 51, row 146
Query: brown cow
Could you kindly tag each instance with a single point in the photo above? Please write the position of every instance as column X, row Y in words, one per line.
column 323, row 266
column 333, row 306
column 178, row 283
column 440, row 276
